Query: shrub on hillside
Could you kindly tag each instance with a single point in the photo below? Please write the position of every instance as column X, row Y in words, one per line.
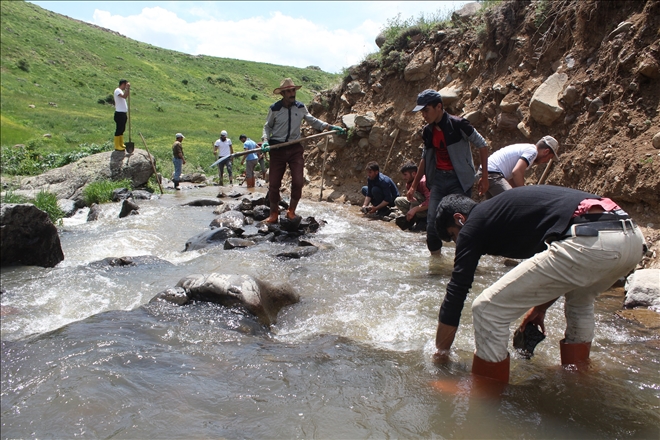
column 101, row 190
column 24, row 160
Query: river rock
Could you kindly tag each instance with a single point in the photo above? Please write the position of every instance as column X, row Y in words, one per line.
column 643, row 289
column 204, row 202
column 263, row 300
column 214, row 237
column 174, row 295
column 28, row 237
column 299, row 252
column 121, row 194
column 656, row 141
column 140, row 260
column 234, row 243
column 230, row 219
column 67, row 206
column 94, row 212
column 128, row 208
column 67, row 182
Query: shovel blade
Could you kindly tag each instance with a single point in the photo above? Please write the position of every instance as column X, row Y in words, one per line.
column 130, row 147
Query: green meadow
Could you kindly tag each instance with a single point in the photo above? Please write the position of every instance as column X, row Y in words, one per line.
column 58, row 75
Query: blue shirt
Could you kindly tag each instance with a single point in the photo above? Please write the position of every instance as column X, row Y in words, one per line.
column 390, row 191
column 249, row 144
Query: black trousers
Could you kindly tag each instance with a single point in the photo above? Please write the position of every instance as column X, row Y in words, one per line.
column 120, row 120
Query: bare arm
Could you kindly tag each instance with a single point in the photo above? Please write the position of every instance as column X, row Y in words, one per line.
column 518, row 174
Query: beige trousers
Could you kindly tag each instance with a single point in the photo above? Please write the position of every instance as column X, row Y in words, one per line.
column 578, row 268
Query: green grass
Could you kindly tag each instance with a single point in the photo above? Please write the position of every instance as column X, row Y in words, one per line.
column 101, row 190
column 48, row 58
column 45, row 201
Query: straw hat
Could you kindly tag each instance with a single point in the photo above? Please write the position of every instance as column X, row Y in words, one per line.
column 286, row 84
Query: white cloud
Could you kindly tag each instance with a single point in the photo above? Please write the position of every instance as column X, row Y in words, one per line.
column 276, row 39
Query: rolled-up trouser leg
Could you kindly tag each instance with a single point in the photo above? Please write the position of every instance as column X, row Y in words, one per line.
column 578, row 267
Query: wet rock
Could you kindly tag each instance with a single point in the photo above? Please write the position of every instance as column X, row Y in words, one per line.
column 120, row 194
column 94, row 212
column 261, row 212
column 643, row 289
column 645, row 317
column 67, row 206
column 204, row 202
column 229, row 219
column 234, row 243
column 128, row 208
column 214, row 237
column 28, row 237
column 140, row 260
column 174, row 295
column 263, row 300
column 299, row 252
column 140, row 194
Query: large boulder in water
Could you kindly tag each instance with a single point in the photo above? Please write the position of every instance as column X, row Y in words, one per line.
column 214, row 237
column 68, row 181
column 28, row 237
column 263, row 300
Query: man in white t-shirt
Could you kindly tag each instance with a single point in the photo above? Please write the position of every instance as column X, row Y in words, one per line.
column 507, row 166
column 223, row 148
column 121, row 112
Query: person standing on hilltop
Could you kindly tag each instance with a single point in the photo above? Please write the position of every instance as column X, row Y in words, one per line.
column 507, row 166
column 178, row 159
column 121, row 112
column 283, row 125
column 446, row 159
column 223, row 148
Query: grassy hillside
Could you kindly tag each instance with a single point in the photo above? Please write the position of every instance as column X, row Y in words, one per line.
column 68, row 69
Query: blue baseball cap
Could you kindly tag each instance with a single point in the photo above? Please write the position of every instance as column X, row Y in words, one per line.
column 426, row 97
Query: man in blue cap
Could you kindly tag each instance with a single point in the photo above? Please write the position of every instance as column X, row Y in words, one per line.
column 446, row 158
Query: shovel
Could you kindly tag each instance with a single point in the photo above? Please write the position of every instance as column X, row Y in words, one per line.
column 273, row 147
column 130, row 146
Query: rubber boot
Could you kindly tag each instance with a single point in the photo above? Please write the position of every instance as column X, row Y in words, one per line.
column 118, row 143
column 250, row 182
column 574, row 354
column 498, row 371
column 176, row 184
column 121, row 142
column 488, row 380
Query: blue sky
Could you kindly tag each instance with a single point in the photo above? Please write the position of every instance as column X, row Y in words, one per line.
column 328, row 34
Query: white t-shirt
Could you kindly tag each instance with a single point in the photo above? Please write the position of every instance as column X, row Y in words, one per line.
column 120, row 102
column 223, row 147
column 505, row 159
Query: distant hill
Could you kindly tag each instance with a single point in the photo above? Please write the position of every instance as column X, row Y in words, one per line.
column 67, row 69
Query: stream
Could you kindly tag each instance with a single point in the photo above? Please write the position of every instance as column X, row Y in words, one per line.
column 84, row 354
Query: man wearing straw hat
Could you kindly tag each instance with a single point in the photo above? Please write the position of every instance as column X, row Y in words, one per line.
column 283, row 125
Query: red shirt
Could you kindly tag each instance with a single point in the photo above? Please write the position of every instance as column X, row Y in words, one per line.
column 442, row 160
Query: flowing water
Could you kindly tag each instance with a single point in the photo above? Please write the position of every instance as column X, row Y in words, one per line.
column 85, row 355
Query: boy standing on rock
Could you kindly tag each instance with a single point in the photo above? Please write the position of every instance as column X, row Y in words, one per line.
column 446, row 159
column 121, row 112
